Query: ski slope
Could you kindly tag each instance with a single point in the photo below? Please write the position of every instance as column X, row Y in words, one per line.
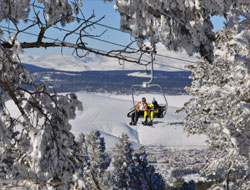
column 108, row 114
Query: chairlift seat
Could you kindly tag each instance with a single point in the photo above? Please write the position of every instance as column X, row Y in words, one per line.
column 161, row 114
column 148, row 84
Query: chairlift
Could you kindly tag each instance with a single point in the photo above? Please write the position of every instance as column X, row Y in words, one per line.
column 163, row 107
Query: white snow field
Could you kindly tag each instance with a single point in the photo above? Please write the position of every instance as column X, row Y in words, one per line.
column 108, row 114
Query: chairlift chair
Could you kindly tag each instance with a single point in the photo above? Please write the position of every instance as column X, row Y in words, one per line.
column 163, row 107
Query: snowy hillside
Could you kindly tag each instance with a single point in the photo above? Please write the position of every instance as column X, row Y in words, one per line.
column 108, row 115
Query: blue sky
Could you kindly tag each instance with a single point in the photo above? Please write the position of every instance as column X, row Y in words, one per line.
column 112, row 19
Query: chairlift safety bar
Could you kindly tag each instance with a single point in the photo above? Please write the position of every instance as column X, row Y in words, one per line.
column 148, row 86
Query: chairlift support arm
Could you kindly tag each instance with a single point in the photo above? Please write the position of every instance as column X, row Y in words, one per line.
column 148, row 83
column 163, row 108
column 145, row 84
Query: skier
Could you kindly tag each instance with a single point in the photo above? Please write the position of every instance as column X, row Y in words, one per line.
column 141, row 109
column 154, row 109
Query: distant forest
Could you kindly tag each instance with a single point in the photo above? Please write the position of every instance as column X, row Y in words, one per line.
column 118, row 82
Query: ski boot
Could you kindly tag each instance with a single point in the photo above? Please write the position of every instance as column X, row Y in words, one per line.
column 132, row 123
column 150, row 123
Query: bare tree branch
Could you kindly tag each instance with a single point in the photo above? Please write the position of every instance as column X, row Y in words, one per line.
column 80, row 47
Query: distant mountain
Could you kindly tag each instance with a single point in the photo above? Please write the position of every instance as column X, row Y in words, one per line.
column 95, row 73
column 164, row 61
column 33, row 68
column 118, row 82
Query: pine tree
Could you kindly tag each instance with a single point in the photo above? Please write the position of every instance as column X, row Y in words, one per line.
column 123, row 160
column 224, row 110
column 41, row 152
column 80, row 152
column 147, row 178
column 95, row 174
column 8, row 140
column 131, row 169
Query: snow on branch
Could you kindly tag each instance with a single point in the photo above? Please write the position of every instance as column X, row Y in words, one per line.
column 178, row 24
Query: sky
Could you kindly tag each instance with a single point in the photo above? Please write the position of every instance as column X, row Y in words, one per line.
column 111, row 19
column 100, row 9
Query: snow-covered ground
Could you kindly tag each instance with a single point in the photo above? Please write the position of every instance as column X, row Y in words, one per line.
column 108, row 114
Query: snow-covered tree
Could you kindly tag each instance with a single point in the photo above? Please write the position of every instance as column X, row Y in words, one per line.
column 7, row 144
column 131, row 169
column 50, row 155
column 221, row 91
column 92, row 163
column 44, row 154
column 220, row 106
column 145, row 173
column 178, row 24
column 123, row 160
column 147, row 177
column 42, row 151
column 95, row 175
column 81, row 159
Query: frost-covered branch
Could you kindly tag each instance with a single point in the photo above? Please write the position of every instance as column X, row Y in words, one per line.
column 178, row 24
column 220, row 105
